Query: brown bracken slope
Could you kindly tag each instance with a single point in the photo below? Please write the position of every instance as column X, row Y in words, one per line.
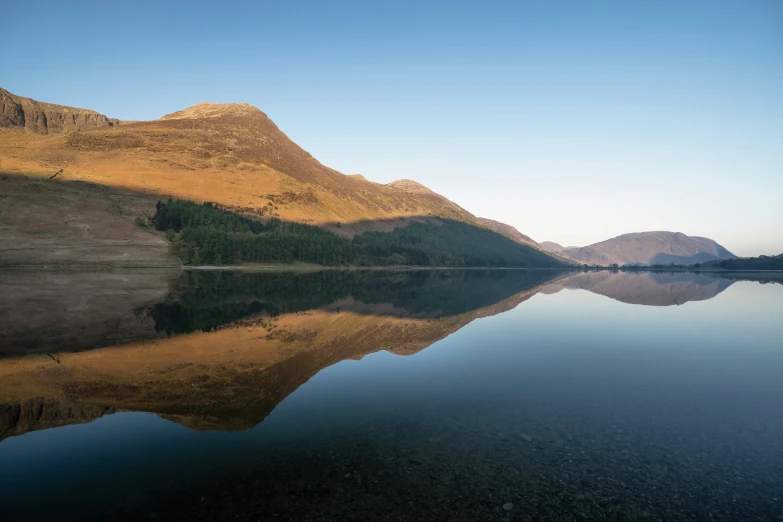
column 231, row 154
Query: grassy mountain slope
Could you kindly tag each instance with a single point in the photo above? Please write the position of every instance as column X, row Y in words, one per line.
column 230, row 154
column 234, row 155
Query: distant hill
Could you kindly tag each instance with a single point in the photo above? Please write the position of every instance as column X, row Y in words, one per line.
column 647, row 248
column 229, row 154
column 554, row 248
column 550, row 246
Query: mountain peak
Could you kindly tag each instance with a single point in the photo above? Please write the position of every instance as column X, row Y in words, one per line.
column 213, row 110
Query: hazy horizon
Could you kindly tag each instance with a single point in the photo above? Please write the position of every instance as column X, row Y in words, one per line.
column 573, row 122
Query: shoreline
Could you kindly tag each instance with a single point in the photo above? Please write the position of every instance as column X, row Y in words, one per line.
column 310, row 268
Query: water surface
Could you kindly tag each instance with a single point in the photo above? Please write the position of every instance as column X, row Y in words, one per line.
column 431, row 395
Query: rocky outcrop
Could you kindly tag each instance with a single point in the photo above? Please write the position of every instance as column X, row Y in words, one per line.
column 47, row 118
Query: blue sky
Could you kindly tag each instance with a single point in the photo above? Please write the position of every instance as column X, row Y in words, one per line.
column 573, row 121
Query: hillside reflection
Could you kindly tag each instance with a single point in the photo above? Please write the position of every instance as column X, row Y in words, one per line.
column 244, row 342
column 54, row 312
column 219, row 350
column 645, row 288
column 203, row 301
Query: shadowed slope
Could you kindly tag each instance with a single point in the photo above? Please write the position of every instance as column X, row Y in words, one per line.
column 48, row 222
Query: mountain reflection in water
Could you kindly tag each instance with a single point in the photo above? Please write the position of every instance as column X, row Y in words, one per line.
column 251, row 339
column 645, row 288
column 217, row 352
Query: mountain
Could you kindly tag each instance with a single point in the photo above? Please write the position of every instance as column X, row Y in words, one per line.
column 229, row 154
column 647, row 248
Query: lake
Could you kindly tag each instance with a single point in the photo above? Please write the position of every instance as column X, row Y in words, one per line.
column 407, row 395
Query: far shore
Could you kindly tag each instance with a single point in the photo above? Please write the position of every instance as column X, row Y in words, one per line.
column 309, row 268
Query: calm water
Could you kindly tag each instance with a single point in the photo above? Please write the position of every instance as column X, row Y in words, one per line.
column 434, row 395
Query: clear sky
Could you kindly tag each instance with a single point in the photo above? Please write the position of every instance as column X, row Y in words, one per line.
column 573, row 121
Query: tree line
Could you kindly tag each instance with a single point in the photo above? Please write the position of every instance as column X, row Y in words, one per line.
column 204, row 234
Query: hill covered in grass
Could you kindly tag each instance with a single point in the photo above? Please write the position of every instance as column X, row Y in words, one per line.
column 234, row 156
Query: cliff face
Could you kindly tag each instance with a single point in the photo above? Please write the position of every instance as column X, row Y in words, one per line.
column 47, row 118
